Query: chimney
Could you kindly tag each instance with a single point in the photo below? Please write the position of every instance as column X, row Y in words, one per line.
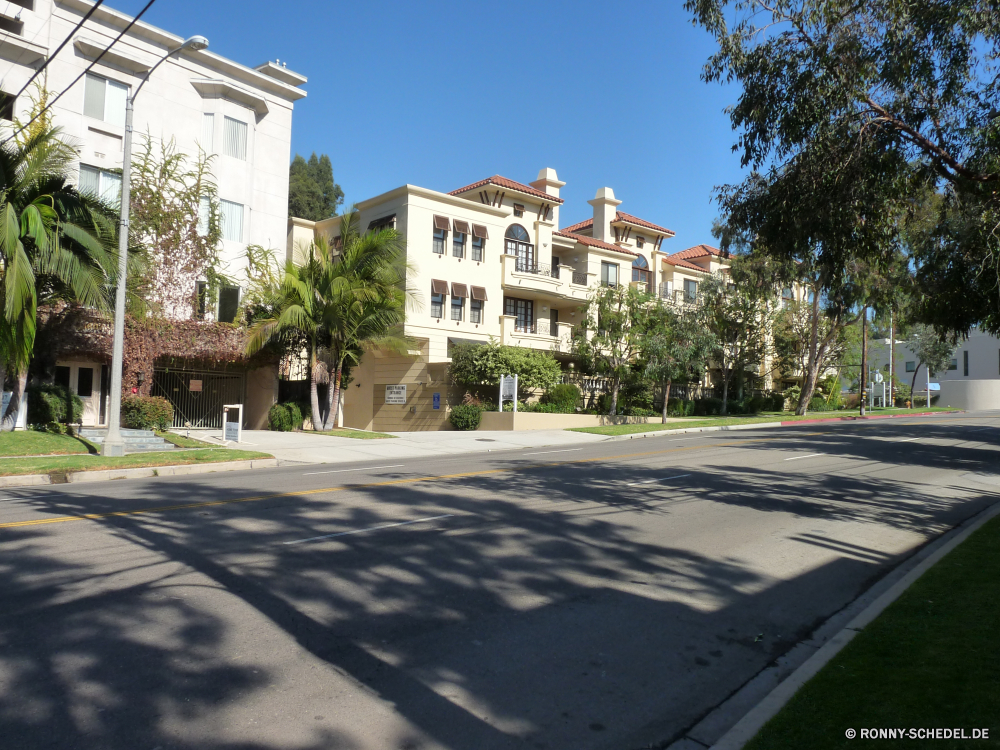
column 605, row 207
column 548, row 182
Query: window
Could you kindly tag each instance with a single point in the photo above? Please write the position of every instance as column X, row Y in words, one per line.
column 911, row 366
column 201, row 299
column 439, row 237
column 517, row 242
column 11, row 25
column 229, row 303
column 85, row 382
column 475, row 311
column 100, row 182
column 965, row 363
column 7, row 102
column 953, row 365
column 61, row 376
column 690, row 290
column 786, row 297
column 232, row 221
column 640, row 270
column 234, row 138
column 640, row 242
column 104, row 99
column 458, row 245
column 477, row 248
column 457, row 308
column 609, row 274
column 524, row 312
column 437, row 305
column 518, row 209
column 208, row 133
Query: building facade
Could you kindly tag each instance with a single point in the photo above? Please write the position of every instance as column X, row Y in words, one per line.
column 490, row 260
column 241, row 116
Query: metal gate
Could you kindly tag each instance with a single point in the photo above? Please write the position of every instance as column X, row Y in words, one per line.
column 198, row 395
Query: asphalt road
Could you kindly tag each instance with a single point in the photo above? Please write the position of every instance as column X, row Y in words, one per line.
column 591, row 596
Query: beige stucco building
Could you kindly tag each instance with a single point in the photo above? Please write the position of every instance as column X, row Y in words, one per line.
column 491, row 260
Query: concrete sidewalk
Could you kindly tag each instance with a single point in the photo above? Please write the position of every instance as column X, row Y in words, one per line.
column 308, row 448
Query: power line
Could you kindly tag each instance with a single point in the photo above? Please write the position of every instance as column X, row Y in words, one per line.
column 85, row 71
column 59, row 48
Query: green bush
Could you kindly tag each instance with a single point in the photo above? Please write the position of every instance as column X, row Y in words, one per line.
column 679, row 407
column 707, row 407
column 146, row 413
column 818, row 403
column 638, row 411
column 49, row 404
column 465, row 416
column 285, row 417
column 564, row 397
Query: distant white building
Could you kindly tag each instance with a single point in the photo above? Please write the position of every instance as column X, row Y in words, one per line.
column 198, row 98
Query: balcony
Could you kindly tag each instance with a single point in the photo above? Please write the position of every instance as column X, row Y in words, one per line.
column 536, row 334
column 672, row 296
column 554, row 282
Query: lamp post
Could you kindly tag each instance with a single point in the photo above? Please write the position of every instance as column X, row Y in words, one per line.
column 114, row 445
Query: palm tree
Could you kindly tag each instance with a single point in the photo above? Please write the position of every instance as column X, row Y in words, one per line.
column 55, row 244
column 343, row 302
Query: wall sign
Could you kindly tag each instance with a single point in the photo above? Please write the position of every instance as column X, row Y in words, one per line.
column 437, row 400
column 194, row 386
column 395, row 394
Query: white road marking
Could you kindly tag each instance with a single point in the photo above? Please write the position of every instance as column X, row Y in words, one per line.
column 339, row 471
column 372, row 528
column 540, row 453
column 906, row 440
column 811, row 455
column 662, row 479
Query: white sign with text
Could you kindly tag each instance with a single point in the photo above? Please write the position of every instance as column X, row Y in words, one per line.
column 395, row 394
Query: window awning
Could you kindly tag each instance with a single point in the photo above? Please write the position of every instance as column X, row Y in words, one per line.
column 441, row 222
column 459, row 290
column 461, row 227
column 479, row 292
column 439, row 287
column 385, row 221
column 479, row 230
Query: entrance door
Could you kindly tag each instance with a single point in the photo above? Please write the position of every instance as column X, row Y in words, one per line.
column 199, row 395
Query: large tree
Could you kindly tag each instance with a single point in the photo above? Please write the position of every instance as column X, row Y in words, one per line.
column 312, row 193
column 892, row 97
column 676, row 347
column 932, row 350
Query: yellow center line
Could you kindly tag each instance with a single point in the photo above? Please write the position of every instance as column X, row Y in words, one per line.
column 388, row 483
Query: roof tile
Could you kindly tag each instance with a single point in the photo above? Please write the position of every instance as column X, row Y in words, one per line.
column 591, row 242
column 698, row 251
column 508, row 184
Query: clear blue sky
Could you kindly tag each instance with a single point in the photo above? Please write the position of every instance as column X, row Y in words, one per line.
column 442, row 94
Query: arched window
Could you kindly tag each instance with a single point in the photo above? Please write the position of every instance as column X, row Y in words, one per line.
column 517, row 242
column 640, row 270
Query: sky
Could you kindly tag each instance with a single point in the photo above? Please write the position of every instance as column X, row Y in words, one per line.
column 442, row 94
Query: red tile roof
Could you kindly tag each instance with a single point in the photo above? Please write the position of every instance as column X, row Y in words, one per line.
column 591, row 242
column 698, row 251
column 506, row 184
column 629, row 219
column 681, row 263
column 622, row 218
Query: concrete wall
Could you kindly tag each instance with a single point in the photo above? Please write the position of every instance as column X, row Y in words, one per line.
column 974, row 395
column 262, row 394
column 494, row 420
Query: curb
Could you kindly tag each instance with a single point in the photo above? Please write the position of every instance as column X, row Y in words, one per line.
column 751, row 723
column 105, row 475
column 767, row 425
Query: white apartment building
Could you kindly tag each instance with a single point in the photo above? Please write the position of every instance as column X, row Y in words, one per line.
column 200, row 99
column 490, row 260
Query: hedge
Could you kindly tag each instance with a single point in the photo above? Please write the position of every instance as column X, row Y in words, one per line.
column 48, row 404
column 466, row 416
column 285, row 417
column 147, row 413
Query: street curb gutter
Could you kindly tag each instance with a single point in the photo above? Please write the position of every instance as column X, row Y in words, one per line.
column 747, row 727
column 104, row 475
column 768, row 425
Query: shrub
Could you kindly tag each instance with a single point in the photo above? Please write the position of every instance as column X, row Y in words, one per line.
column 638, row 411
column 678, row 407
column 285, row 417
column 49, row 404
column 146, row 413
column 776, row 402
column 563, row 397
column 818, row 403
column 465, row 416
column 706, row 407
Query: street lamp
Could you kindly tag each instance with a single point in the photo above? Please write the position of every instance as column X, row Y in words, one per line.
column 114, row 445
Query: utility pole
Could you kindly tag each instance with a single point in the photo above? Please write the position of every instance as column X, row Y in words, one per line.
column 864, row 358
column 892, row 351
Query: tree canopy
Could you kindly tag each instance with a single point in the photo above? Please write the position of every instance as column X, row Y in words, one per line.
column 312, row 193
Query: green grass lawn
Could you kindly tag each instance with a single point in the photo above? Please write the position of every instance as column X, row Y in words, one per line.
column 62, row 464
column 776, row 416
column 182, row 441
column 931, row 659
column 34, row 443
column 356, row 434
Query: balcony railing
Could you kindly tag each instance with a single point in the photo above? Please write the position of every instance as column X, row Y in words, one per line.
column 530, row 326
column 580, row 277
column 540, row 269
